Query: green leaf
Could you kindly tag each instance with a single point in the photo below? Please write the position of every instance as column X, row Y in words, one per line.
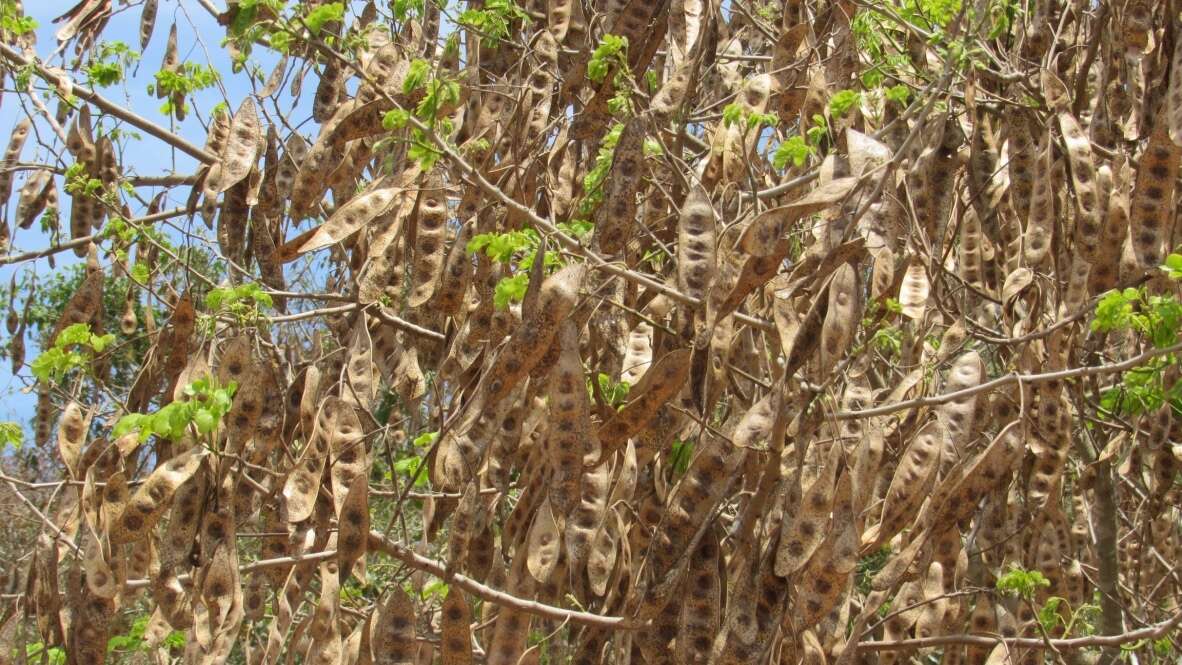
column 842, row 101
column 318, row 17
column 1023, row 583
column 416, row 76
column 11, row 435
column 732, row 114
column 425, row 440
column 794, row 150
column 510, row 289
column 139, row 272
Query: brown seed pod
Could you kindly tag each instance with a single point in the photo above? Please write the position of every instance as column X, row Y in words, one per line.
column 912, row 479
column 153, row 497
column 568, row 440
column 1036, row 243
column 71, row 436
column 803, row 532
column 353, row 522
column 544, row 544
column 240, row 151
column 585, row 520
column 34, row 197
column 615, row 216
column 512, row 626
column 148, row 22
column 171, row 61
column 913, row 292
column 429, row 246
column 1089, row 214
column 533, row 336
column 347, row 220
column 1153, row 196
column 303, row 482
column 841, row 318
column 660, row 383
column 12, row 154
column 695, row 244
column 456, row 273
column 456, row 633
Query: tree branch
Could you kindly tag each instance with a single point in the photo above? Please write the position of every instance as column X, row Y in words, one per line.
column 13, row 56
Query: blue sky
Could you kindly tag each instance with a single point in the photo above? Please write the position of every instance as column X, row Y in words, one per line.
column 199, row 38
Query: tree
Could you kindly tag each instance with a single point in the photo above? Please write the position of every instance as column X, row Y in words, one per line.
column 791, row 331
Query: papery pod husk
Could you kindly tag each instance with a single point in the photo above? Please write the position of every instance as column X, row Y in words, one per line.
column 353, row 522
column 569, row 440
column 456, row 638
column 90, row 619
column 12, row 154
column 913, row 476
column 512, row 627
column 429, row 247
column 1153, row 196
column 152, row 498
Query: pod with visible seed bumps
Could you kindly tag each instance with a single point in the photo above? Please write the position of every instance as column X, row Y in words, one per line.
column 700, row 612
column 429, row 246
column 456, row 643
column 353, row 524
column 615, row 217
column 153, row 497
column 12, row 154
column 392, row 634
column 544, row 543
column 805, row 527
column 71, row 436
column 532, row 338
column 660, row 383
column 1040, row 223
column 1153, row 197
column 456, row 274
column 570, row 422
column 695, row 244
column 841, row 318
column 911, row 481
column 348, row 219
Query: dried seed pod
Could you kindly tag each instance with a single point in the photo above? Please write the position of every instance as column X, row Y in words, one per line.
column 695, row 244
column 240, row 152
column 1153, row 196
column 841, row 318
column 532, row 338
column 913, row 292
column 803, row 532
column 615, row 216
column 148, row 22
column 71, row 436
column 545, row 542
column 1040, row 223
column 353, row 522
column 34, row 197
column 430, row 249
column 154, row 497
column 698, row 623
column 1089, row 213
column 456, row 274
column 346, row 220
column 660, row 384
column 958, row 416
column 568, row 441
column 12, row 154
column 911, row 481
column 456, row 635
column 462, row 525
column 512, row 626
